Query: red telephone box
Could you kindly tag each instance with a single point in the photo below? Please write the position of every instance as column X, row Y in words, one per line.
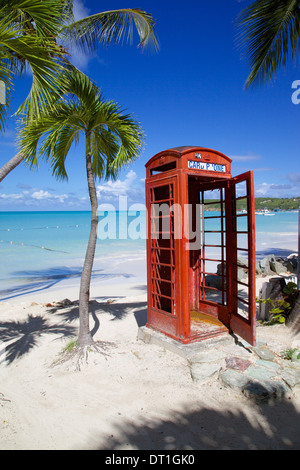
column 200, row 247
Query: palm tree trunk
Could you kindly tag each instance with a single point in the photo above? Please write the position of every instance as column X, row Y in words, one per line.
column 85, row 337
column 10, row 165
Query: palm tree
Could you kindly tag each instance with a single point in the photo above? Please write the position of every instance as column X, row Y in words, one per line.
column 51, row 22
column 269, row 33
column 112, row 140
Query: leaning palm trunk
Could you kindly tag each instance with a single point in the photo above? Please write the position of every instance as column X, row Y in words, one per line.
column 10, row 165
column 85, row 337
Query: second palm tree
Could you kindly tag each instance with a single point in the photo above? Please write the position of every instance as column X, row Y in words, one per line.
column 112, row 140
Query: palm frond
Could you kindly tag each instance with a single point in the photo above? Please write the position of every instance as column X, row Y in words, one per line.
column 111, row 27
column 45, row 18
column 5, row 94
column 115, row 139
column 35, row 46
column 269, row 33
column 81, row 87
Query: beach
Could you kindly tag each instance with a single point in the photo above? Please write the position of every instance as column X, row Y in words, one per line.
column 134, row 395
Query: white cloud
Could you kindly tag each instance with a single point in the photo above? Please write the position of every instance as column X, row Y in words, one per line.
column 131, row 187
column 35, row 198
column 262, row 189
column 78, row 57
column 276, row 190
column 12, row 197
column 40, row 194
column 80, row 10
column 45, row 195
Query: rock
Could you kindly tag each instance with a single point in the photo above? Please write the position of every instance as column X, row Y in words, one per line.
column 206, row 356
column 268, row 364
column 259, row 390
column 62, row 303
column 242, row 273
column 265, row 265
column 268, row 265
column 243, row 261
column 205, row 364
column 219, row 269
column 258, row 268
column 264, row 353
column 266, row 391
column 260, row 373
column 291, row 263
column 291, row 375
column 200, row 372
column 234, row 379
column 237, row 363
column 65, row 302
column 277, row 266
column 213, row 281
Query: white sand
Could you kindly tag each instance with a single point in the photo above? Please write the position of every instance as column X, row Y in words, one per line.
column 140, row 396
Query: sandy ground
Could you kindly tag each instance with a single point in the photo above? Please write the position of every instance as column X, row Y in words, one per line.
column 133, row 396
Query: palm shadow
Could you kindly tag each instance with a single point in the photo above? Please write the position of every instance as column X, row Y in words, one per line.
column 277, row 252
column 117, row 311
column 31, row 281
column 20, row 337
column 209, row 429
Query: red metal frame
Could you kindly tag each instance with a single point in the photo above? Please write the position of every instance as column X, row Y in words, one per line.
column 180, row 302
column 243, row 325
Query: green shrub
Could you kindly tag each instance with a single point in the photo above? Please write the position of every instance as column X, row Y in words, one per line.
column 281, row 307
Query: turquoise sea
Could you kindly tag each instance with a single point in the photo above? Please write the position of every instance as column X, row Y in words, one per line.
column 42, row 248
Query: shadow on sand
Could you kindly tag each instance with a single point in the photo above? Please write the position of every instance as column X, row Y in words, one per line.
column 194, row 427
column 209, row 429
column 20, row 337
column 117, row 311
column 37, row 281
column 277, row 252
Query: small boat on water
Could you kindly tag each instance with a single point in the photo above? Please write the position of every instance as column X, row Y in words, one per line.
column 264, row 212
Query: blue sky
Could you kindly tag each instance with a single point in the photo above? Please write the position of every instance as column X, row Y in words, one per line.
column 189, row 93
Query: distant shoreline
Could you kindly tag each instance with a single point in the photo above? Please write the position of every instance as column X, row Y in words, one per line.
column 210, row 209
